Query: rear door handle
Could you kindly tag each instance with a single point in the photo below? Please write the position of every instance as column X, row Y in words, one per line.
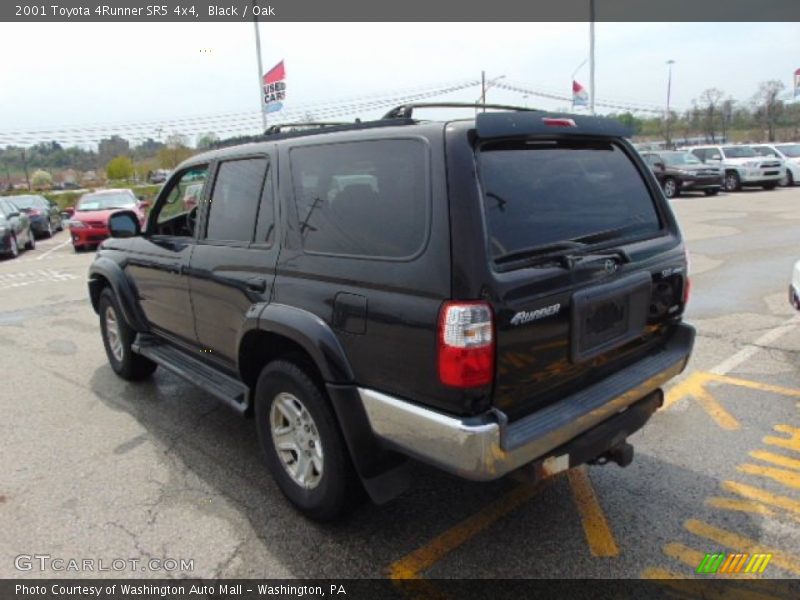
column 257, row 284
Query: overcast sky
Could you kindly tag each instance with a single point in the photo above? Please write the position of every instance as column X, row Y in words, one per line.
column 56, row 75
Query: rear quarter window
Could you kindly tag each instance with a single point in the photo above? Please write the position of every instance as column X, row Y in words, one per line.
column 541, row 193
column 366, row 198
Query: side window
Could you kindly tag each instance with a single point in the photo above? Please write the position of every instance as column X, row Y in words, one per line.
column 362, row 198
column 182, row 199
column 235, row 199
column 265, row 227
column 713, row 154
column 701, row 154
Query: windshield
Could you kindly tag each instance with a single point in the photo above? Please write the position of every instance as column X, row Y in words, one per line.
column 105, row 201
column 681, row 158
column 538, row 194
column 27, row 202
column 739, row 151
column 790, row 150
column 764, row 151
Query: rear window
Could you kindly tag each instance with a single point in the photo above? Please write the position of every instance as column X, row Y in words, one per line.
column 362, row 198
column 540, row 193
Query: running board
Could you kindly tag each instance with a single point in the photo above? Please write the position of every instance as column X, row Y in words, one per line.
column 226, row 388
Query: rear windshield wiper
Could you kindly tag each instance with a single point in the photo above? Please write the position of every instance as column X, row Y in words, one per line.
column 544, row 251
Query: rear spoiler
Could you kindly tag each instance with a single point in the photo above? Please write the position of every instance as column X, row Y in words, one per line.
column 514, row 124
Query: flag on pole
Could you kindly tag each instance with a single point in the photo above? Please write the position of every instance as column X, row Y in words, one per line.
column 797, row 83
column 580, row 97
column 275, row 88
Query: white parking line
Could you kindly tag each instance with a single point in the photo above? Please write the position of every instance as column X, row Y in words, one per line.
column 730, row 363
column 61, row 245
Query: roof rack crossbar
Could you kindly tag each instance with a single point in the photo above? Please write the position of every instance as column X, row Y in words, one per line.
column 405, row 111
column 279, row 127
column 280, row 131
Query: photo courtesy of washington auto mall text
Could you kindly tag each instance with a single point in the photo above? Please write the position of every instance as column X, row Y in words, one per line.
column 399, row 301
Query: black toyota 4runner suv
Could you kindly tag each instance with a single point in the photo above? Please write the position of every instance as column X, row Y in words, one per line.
column 479, row 295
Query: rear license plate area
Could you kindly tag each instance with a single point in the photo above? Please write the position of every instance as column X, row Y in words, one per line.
column 607, row 316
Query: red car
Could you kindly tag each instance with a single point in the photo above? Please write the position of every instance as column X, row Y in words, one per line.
column 89, row 223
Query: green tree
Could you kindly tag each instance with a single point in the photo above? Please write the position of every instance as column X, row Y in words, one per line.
column 120, row 167
column 41, row 179
column 206, row 140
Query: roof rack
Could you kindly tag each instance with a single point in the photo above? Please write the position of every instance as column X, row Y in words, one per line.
column 405, row 111
column 279, row 128
column 278, row 132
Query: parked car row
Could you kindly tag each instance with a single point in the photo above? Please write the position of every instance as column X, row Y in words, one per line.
column 729, row 167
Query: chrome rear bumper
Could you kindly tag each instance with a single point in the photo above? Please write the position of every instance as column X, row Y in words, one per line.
column 487, row 447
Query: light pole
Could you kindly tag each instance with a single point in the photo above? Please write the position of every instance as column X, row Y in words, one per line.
column 485, row 86
column 260, row 74
column 668, row 140
column 593, row 92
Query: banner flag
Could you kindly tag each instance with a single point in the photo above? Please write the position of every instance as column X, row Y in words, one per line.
column 580, row 97
column 797, row 83
column 275, row 88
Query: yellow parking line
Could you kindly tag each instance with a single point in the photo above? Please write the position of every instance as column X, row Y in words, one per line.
column 782, row 476
column 684, row 554
column 784, row 560
column 723, row 418
column 412, row 565
column 790, row 443
column 733, row 504
column 754, row 493
column 776, row 459
column 687, row 387
column 595, row 526
column 755, row 385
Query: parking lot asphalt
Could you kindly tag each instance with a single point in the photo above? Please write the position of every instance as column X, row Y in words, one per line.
column 97, row 468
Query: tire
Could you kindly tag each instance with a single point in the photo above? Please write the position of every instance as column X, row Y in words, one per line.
column 711, row 192
column 769, row 186
column 285, row 391
column 732, row 182
column 31, row 243
column 117, row 339
column 671, row 189
column 77, row 249
column 789, row 179
column 14, row 249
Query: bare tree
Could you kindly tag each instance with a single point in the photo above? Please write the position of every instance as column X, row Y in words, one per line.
column 768, row 106
column 709, row 105
column 727, row 108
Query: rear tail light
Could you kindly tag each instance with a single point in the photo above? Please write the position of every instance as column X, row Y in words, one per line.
column 558, row 122
column 466, row 344
column 35, row 213
column 687, row 283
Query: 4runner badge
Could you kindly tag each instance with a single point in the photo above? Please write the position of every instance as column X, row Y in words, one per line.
column 525, row 316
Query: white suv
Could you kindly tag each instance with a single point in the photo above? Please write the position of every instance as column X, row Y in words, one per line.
column 742, row 166
column 789, row 154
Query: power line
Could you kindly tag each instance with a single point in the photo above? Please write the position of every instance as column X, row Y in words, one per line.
column 245, row 126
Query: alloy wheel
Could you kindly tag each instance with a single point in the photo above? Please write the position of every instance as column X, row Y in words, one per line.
column 296, row 439
column 112, row 334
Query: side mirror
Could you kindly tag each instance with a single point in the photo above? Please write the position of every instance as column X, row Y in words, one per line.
column 143, row 204
column 124, row 224
column 69, row 211
column 660, row 166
